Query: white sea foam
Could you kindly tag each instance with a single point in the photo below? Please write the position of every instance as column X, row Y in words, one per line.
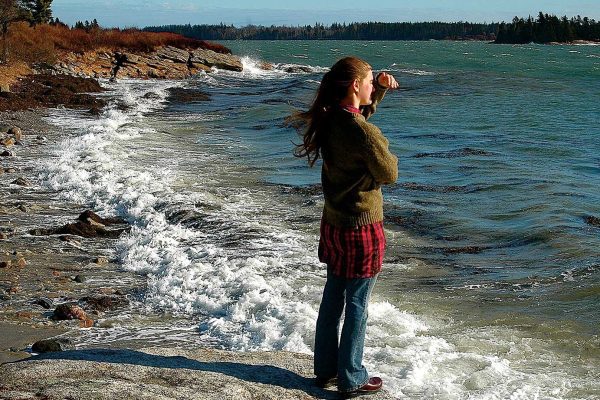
column 250, row 280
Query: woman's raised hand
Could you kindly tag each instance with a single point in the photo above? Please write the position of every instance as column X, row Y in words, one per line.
column 387, row 81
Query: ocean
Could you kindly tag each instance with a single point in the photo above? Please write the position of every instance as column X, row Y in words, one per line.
column 491, row 283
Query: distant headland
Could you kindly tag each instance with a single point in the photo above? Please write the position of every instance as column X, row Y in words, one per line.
column 545, row 29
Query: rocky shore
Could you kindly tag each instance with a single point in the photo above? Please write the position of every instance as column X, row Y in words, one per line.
column 56, row 263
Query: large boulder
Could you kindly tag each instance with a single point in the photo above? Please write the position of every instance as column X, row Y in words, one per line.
column 218, row 60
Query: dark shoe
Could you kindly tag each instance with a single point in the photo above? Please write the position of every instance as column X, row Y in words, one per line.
column 325, row 382
column 372, row 386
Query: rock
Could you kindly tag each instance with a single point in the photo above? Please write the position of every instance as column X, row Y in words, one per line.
column 95, row 111
column 295, row 69
column 218, row 60
column 44, row 302
column 591, row 220
column 23, row 208
column 51, row 345
column 104, row 303
column 166, row 373
column 21, row 182
column 79, row 278
column 21, row 263
column 16, row 133
column 7, row 153
column 4, row 88
column 69, row 311
column 174, row 54
column 3, row 236
column 10, row 170
column 89, row 216
column 5, row 264
column 267, row 66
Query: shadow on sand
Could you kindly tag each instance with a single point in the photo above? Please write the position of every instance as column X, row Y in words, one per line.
column 265, row 374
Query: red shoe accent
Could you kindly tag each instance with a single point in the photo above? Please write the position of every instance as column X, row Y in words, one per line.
column 372, row 386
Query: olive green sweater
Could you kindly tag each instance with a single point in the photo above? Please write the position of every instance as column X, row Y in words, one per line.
column 356, row 162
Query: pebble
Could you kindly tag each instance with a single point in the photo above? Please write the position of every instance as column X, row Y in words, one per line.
column 3, row 236
column 21, row 182
column 44, row 302
column 5, row 264
column 79, row 278
column 21, row 263
column 7, row 153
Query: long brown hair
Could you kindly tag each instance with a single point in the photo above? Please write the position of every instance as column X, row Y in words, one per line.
column 333, row 88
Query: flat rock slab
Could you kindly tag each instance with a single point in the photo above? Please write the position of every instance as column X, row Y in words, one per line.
column 163, row 373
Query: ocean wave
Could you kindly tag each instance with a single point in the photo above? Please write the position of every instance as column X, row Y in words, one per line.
column 218, row 250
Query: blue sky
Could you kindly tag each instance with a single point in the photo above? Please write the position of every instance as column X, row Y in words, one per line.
column 128, row 13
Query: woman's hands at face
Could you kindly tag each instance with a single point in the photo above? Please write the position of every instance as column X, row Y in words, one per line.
column 387, row 81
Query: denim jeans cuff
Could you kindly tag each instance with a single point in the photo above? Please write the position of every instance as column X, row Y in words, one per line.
column 354, row 388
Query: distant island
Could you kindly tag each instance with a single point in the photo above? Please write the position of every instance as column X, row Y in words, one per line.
column 545, row 29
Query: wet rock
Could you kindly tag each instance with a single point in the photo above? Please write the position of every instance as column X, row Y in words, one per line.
column 48, row 90
column 218, row 60
column 69, row 311
column 104, row 303
column 182, row 95
column 591, row 220
column 79, row 278
column 295, row 69
column 464, row 250
column 88, row 216
column 95, row 111
column 44, row 302
column 21, row 182
column 51, row 345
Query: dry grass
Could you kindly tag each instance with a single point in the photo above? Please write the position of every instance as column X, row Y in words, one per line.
column 45, row 43
column 10, row 73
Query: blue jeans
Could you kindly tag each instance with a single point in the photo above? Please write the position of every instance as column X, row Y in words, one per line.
column 343, row 360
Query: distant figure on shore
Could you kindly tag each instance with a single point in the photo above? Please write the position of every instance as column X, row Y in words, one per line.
column 118, row 62
column 356, row 162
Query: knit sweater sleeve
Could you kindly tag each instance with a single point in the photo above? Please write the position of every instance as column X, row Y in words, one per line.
column 381, row 163
column 376, row 98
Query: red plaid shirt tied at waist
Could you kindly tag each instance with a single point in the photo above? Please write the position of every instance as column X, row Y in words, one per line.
column 352, row 252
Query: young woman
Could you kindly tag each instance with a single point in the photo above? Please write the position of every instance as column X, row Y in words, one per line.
column 356, row 162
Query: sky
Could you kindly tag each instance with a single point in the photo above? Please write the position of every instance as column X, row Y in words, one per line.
column 135, row 13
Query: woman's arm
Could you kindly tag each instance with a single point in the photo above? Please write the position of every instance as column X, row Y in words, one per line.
column 383, row 82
